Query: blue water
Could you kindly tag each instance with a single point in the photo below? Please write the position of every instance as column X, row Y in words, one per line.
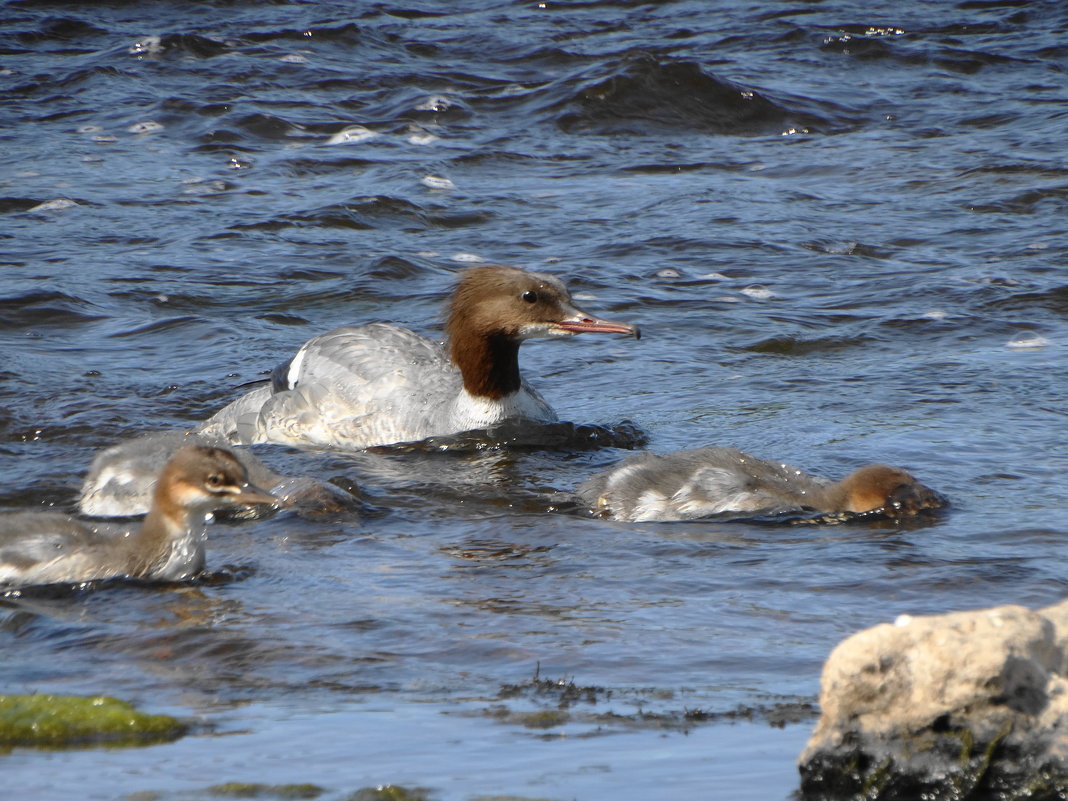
column 840, row 225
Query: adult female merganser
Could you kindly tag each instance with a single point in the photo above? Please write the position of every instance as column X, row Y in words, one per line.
column 707, row 481
column 379, row 384
column 50, row 547
column 122, row 478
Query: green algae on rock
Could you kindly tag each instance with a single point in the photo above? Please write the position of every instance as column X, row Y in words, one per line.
column 68, row 721
column 546, row 719
column 257, row 790
column 390, row 792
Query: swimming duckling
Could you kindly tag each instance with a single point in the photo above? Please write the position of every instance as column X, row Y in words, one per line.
column 707, row 481
column 51, row 547
column 121, row 478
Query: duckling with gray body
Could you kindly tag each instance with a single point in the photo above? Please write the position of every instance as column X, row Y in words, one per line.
column 707, row 481
column 121, row 478
column 51, row 548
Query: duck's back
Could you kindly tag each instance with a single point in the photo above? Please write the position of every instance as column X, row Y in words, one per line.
column 50, row 547
column 697, row 483
column 353, row 387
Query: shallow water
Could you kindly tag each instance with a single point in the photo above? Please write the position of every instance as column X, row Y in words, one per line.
column 841, row 227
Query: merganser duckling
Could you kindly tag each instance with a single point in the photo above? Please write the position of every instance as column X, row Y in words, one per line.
column 122, row 477
column 705, row 481
column 379, row 384
column 52, row 548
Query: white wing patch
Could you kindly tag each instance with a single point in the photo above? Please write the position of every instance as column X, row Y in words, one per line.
column 293, row 375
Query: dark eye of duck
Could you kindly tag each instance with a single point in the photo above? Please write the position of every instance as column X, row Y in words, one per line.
column 215, row 480
column 530, row 296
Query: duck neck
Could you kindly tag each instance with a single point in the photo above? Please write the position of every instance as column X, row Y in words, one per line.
column 488, row 363
column 170, row 544
column 834, row 498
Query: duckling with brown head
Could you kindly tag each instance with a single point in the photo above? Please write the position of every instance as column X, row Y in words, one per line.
column 707, row 481
column 51, row 548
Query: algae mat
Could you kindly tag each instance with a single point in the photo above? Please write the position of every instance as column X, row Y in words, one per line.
column 66, row 721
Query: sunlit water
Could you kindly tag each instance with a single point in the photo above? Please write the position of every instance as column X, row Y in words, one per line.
column 840, row 226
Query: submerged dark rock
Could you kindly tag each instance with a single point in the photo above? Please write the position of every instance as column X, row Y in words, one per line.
column 967, row 705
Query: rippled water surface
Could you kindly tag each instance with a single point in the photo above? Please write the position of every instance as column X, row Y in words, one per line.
column 840, row 225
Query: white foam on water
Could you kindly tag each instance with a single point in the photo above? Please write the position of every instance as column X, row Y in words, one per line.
column 58, row 204
column 1028, row 341
column 420, row 136
column 146, row 127
column 435, row 103
column 149, row 46
column 352, row 135
column 437, row 182
column 757, row 292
